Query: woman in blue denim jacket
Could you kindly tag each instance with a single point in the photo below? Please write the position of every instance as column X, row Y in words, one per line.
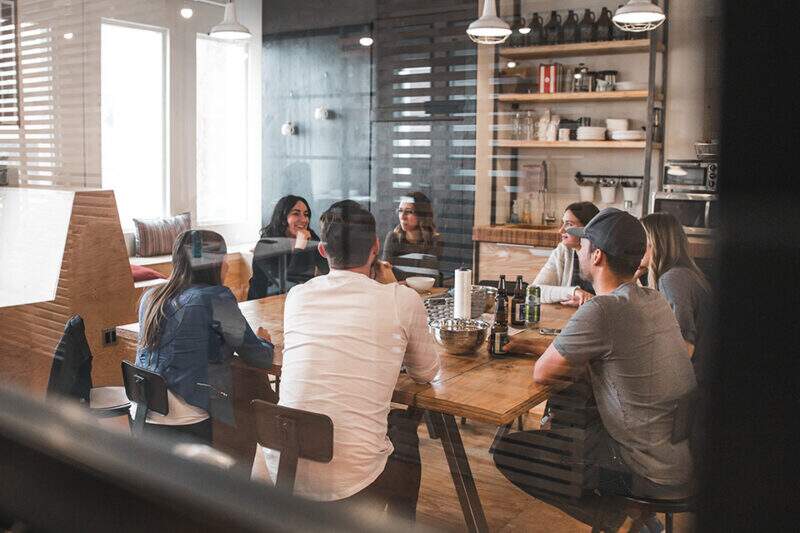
column 188, row 331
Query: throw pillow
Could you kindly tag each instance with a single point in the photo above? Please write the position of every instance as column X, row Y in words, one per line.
column 143, row 273
column 156, row 236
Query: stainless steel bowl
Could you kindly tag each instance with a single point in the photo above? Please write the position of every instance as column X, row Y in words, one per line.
column 459, row 336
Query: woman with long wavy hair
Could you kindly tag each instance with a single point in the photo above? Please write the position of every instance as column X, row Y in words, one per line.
column 415, row 233
column 673, row 272
column 189, row 328
column 288, row 235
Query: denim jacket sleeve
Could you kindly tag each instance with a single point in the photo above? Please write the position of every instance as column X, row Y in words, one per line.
column 236, row 332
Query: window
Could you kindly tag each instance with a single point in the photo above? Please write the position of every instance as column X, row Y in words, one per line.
column 221, row 131
column 134, row 118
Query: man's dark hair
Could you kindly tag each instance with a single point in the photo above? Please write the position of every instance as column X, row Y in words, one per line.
column 348, row 232
column 619, row 266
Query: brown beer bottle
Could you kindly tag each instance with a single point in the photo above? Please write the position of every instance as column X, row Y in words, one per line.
column 518, row 305
column 498, row 336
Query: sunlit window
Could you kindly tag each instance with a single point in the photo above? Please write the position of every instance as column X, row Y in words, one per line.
column 134, row 114
column 221, row 131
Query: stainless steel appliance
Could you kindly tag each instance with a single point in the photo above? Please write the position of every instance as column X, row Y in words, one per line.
column 690, row 175
column 697, row 212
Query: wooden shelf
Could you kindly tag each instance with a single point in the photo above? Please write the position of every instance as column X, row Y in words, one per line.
column 579, row 49
column 509, row 143
column 611, row 96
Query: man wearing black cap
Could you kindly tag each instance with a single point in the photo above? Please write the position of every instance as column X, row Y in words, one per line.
column 629, row 342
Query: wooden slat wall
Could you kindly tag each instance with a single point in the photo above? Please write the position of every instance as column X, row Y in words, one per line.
column 95, row 282
column 424, row 128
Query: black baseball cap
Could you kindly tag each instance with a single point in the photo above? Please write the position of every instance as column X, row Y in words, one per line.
column 617, row 233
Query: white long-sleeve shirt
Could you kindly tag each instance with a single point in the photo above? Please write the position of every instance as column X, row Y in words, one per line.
column 345, row 339
column 555, row 277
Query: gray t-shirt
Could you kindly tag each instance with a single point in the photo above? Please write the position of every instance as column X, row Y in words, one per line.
column 638, row 367
column 691, row 303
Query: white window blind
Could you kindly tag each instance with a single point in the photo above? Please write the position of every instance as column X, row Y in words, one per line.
column 221, row 131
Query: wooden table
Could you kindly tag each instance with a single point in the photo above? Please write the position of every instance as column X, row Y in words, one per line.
column 475, row 386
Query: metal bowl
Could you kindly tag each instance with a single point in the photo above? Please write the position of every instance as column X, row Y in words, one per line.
column 459, row 336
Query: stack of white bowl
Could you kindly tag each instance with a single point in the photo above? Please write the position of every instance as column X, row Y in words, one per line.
column 619, row 130
column 591, row 133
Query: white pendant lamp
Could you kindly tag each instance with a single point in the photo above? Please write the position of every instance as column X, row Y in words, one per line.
column 489, row 29
column 229, row 28
column 639, row 16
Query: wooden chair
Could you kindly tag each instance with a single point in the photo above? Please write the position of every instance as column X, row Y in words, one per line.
column 296, row 434
column 147, row 390
column 71, row 374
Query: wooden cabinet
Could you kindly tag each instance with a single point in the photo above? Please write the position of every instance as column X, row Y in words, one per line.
column 496, row 258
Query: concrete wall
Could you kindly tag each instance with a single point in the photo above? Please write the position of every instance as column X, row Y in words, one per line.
column 281, row 16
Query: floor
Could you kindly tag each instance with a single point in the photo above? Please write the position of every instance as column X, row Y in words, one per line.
column 506, row 507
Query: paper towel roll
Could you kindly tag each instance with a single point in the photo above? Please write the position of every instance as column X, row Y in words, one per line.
column 462, row 304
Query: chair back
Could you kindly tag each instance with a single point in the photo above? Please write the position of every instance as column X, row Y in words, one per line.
column 295, row 434
column 147, row 390
column 683, row 420
column 71, row 372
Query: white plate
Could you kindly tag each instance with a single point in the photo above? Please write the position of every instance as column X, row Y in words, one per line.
column 629, row 135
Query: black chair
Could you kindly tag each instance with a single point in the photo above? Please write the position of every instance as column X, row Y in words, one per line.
column 296, row 434
column 147, row 390
column 71, row 375
column 682, row 429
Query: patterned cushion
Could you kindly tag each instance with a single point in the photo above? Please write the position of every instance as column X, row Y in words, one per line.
column 156, row 236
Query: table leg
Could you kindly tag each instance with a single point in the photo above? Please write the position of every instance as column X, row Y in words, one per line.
column 501, row 432
column 447, row 429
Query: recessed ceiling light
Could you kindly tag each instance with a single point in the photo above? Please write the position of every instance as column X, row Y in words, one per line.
column 69, row 36
column 187, row 12
column 366, row 41
column 511, row 64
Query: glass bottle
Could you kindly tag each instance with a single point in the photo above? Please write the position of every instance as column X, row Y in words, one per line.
column 518, row 304
column 530, row 126
column 498, row 335
column 502, row 291
column 569, row 30
column 517, row 127
column 603, row 26
column 552, row 31
column 586, row 27
column 536, row 36
column 617, row 33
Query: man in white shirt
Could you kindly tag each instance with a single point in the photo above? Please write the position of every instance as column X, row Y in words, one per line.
column 346, row 336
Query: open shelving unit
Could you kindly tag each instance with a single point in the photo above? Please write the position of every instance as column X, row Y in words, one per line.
column 654, row 44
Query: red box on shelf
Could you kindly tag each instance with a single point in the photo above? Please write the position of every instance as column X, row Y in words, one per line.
column 548, row 78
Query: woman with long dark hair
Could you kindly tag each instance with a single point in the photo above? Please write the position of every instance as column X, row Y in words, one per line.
column 673, row 272
column 288, row 235
column 188, row 330
column 415, row 234
column 559, row 279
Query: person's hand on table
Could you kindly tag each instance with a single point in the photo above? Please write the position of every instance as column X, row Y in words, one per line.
column 518, row 345
column 579, row 297
column 382, row 272
column 262, row 333
column 303, row 236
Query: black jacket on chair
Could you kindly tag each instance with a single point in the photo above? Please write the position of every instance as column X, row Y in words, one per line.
column 71, row 373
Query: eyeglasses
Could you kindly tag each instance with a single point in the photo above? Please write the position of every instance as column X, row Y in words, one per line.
column 406, row 212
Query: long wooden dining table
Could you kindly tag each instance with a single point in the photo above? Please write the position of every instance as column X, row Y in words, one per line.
column 475, row 386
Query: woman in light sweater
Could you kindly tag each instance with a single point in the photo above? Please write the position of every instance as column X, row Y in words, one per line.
column 559, row 278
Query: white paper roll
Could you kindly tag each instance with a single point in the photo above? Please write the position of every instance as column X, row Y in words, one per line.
column 462, row 304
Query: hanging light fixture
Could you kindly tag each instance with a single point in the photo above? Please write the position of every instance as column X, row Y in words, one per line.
column 187, row 11
column 489, row 29
column 639, row 16
column 229, row 28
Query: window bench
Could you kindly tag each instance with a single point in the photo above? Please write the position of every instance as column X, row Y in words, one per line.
column 239, row 259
